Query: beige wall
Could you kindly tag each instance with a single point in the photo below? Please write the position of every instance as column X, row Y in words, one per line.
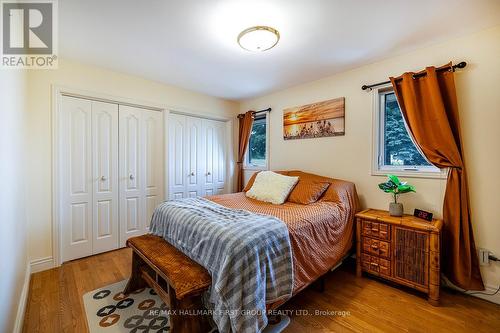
column 13, row 238
column 349, row 157
column 90, row 78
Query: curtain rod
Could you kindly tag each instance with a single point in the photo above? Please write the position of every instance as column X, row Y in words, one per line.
column 459, row 65
column 256, row 112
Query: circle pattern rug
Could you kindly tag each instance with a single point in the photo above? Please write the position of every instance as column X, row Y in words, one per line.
column 108, row 310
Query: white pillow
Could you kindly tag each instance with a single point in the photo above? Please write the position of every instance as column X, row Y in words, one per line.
column 271, row 187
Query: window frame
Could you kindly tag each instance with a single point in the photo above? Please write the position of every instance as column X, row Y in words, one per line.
column 246, row 162
column 378, row 168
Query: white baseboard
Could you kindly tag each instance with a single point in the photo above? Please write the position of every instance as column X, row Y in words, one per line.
column 33, row 266
column 489, row 289
column 42, row 264
column 23, row 299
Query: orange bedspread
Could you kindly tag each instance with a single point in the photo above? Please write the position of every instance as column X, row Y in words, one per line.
column 321, row 233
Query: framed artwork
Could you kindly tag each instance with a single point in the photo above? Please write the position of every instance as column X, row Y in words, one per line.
column 315, row 120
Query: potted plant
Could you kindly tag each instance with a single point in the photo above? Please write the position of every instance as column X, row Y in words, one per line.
column 396, row 187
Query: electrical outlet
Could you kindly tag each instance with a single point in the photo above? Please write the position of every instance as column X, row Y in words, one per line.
column 484, row 259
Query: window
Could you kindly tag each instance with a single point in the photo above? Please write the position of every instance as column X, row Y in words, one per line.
column 257, row 153
column 394, row 150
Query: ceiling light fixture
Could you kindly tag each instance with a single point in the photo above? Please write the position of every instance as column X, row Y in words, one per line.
column 258, row 38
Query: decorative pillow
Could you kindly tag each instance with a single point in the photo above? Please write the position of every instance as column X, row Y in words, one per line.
column 271, row 187
column 250, row 182
column 308, row 191
column 252, row 179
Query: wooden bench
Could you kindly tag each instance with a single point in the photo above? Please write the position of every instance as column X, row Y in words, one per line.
column 178, row 280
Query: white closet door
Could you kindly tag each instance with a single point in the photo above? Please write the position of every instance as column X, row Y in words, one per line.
column 214, row 157
column 193, row 154
column 105, row 176
column 209, row 163
column 75, row 128
column 177, row 162
column 131, row 173
column 197, row 156
column 153, row 159
column 220, row 158
column 111, row 179
column 141, row 169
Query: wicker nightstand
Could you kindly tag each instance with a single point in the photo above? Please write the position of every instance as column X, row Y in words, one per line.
column 404, row 250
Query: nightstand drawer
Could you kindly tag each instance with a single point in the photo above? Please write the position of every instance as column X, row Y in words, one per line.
column 375, row 229
column 367, row 228
column 366, row 260
column 376, row 247
column 384, row 267
column 375, row 264
column 384, row 231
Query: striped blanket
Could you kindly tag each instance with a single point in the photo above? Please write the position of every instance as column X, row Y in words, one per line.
column 248, row 256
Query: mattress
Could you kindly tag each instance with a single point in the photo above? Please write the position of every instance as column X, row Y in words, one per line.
column 321, row 233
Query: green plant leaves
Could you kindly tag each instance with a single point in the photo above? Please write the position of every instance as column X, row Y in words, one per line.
column 394, row 179
column 388, row 187
column 403, row 188
column 394, row 185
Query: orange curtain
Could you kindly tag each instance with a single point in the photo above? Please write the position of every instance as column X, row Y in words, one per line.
column 429, row 105
column 246, row 123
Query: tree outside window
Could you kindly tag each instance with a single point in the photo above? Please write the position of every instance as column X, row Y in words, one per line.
column 399, row 149
column 257, row 144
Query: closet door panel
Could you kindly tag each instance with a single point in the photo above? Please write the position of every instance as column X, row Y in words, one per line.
column 194, row 156
column 104, row 226
column 130, row 173
column 214, row 157
column 132, row 215
column 79, row 221
column 75, row 125
column 177, row 165
column 153, row 159
column 220, row 172
column 105, row 176
column 131, row 145
column 208, row 152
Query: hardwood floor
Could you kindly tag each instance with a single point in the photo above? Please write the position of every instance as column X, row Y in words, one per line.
column 55, row 302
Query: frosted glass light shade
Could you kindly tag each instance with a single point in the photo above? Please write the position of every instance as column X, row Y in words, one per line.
column 258, row 39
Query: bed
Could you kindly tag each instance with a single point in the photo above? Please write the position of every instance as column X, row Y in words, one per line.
column 259, row 254
column 321, row 233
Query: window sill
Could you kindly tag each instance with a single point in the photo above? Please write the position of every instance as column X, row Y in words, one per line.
column 443, row 174
column 255, row 168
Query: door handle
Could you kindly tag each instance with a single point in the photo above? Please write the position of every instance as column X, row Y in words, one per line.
column 131, row 177
column 191, row 174
column 208, row 173
column 103, row 179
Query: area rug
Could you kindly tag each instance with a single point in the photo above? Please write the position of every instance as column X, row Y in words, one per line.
column 108, row 310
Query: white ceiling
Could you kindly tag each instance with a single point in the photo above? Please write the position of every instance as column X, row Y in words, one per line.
column 192, row 43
